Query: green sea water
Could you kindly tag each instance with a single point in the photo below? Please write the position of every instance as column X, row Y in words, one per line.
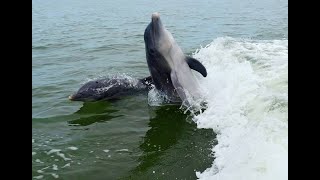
column 74, row 41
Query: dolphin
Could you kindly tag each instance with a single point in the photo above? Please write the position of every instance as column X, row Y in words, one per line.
column 169, row 67
column 111, row 88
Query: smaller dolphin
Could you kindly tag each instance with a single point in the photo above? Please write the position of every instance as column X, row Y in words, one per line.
column 111, row 88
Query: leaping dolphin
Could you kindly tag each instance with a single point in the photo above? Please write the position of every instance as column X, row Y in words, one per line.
column 169, row 66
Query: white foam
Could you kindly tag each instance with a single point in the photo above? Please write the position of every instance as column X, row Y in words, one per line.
column 106, row 150
column 115, row 79
column 55, row 167
column 247, row 96
column 63, row 156
column 104, row 89
column 122, row 150
column 57, row 151
column 40, row 171
column 34, row 153
column 39, row 161
column 55, row 175
column 53, row 151
column 72, row 148
column 45, row 168
column 67, row 165
column 155, row 98
column 38, row 177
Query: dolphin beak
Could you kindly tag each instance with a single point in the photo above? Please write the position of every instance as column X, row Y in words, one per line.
column 71, row 97
column 155, row 16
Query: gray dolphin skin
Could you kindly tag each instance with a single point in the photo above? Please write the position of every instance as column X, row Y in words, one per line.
column 170, row 72
column 170, row 69
column 111, row 88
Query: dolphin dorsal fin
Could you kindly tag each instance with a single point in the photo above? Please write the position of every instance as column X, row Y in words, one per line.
column 196, row 65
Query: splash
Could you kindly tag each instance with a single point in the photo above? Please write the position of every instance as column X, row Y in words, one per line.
column 247, row 106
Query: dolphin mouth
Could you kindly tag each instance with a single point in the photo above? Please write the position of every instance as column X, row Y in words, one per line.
column 156, row 26
column 155, row 19
column 71, row 97
column 155, row 16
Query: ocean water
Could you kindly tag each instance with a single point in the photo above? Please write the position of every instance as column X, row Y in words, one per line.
column 243, row 133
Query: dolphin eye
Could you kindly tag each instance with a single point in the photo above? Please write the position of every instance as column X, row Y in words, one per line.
column 152, row 51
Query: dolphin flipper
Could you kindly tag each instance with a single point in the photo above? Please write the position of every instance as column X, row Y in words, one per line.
column 196, row 65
